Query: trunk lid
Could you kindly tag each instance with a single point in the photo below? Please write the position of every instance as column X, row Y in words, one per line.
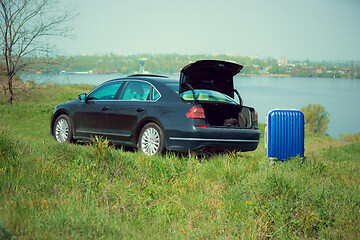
column 209, row 74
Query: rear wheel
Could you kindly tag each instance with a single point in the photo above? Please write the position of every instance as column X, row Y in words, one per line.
column 151, row 139
column 63, row 129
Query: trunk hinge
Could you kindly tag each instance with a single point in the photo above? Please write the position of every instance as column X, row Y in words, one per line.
column 193, row 92
column 240, row 100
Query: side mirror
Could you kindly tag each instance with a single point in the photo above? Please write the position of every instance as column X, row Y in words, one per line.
column 82, row 97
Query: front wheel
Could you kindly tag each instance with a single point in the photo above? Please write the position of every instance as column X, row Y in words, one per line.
column 151, row 139
column 63, row 129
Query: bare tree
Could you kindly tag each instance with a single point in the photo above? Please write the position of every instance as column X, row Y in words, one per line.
column 26, row 26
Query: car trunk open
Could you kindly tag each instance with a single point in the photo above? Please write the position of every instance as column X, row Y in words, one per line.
column 227, row 115
column 217, row 76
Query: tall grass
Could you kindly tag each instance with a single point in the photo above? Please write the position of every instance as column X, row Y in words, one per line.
column 95, row 190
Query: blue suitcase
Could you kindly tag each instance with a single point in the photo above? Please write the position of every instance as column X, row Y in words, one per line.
column 284, row 134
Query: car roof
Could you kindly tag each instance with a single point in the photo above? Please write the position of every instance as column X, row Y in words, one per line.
column 148, row 75
column 153, row 79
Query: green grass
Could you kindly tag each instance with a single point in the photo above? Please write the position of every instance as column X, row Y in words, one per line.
column 96, row 191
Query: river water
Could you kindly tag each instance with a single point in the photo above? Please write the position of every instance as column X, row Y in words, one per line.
column 340, row 97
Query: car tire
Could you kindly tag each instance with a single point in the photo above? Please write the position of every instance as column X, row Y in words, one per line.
column 63, row 129
column 151, row 140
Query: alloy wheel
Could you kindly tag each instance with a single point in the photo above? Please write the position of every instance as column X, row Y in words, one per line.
column 62, row 131
column 150, row 141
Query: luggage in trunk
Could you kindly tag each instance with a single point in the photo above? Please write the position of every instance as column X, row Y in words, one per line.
column 227, row 115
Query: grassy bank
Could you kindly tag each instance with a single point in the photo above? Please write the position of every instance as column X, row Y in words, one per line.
column 52, row 191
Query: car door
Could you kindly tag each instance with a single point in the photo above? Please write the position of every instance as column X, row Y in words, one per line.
column 92, row 117
column 126, row 113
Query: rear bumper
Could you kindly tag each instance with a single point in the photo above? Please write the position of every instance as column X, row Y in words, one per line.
column 221, row 138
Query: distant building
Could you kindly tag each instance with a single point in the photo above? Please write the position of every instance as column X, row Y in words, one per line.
column 282, row 61
column 253, row 56
column 142, row 66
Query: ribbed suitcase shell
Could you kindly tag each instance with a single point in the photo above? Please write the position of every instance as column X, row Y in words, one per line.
column 285, row 134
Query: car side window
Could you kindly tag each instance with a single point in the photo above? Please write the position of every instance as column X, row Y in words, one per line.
column 136, row 90
column 155, row 94
column 105, row 92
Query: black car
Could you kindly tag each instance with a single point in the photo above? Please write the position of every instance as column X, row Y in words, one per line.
column 155, row 113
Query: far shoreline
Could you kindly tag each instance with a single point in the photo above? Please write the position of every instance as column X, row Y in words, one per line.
column 264, row 75
column 239, row 74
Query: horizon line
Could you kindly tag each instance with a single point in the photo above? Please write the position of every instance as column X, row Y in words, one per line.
column 253, row 56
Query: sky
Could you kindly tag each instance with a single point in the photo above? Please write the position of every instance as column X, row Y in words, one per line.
column 308, row 29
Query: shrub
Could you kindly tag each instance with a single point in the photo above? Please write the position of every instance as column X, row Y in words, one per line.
column 350, row 137
column 316, row 118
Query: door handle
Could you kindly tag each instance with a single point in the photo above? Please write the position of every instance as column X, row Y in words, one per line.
column 140, row 110
column 105, row 108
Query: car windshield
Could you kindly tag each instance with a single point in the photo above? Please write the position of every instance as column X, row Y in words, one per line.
column 207, row 95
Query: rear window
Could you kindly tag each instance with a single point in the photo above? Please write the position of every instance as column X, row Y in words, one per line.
column 207, row 95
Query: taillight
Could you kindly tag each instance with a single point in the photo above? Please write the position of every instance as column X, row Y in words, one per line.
column 196, row 113
column 256, row 116
column 201, row 126
column 255, row 121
